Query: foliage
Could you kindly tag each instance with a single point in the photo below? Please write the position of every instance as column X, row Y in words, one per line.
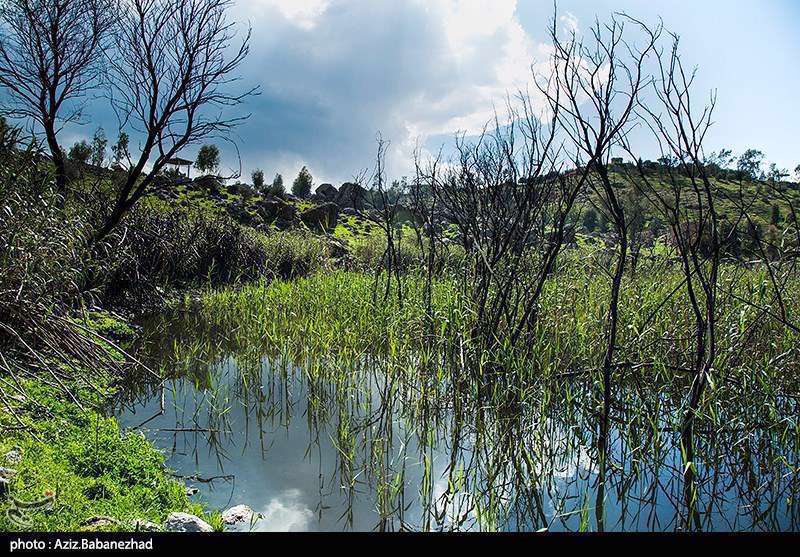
column 301, row 187
column 207, row 159
column 89, row 465
column 277, row 188
column 258, row 180
column 80, row 151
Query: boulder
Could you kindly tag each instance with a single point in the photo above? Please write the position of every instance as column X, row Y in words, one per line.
column 209, row 183
column 276, row 209
column 352, row 195
column 239, row 513
column 327, row 192
column 192, row 491
column 185, row 522
column 322, row 217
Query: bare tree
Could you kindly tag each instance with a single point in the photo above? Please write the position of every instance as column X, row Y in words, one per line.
column 687, row 200
column 173, row 62
column 597, row 86
column 50, row 58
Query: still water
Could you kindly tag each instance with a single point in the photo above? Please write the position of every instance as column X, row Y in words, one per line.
column 310, row 447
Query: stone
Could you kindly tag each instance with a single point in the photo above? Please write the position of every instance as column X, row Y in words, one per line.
column 5, row 488
column 322, row 217
column 352, row 195
column 185, row 522
column 7, row 473
column 239, row 513
column 146, row 526
column 14, row 456
column 190, row 491
column 327, row 192
column 98, row 522
column 276, row 209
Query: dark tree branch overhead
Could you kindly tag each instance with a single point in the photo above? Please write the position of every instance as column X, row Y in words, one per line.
column 50, row 58
column 171, row 68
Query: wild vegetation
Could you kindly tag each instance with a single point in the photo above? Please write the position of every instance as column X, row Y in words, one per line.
column 530, row 304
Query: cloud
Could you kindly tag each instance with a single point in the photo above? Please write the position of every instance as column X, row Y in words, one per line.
column 570, row 23
column 334, row 73
column 285, row 514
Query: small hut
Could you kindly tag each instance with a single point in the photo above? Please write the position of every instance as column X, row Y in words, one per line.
column 178, row 163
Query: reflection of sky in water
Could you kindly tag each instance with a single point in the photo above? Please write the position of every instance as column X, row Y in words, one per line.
column 286, row 465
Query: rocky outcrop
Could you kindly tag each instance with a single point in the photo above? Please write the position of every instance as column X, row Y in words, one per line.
column 322, row 217
column 352, row 195
column 276, row 209
column 327, row 192
column 237, row 514
column 184, row 522
column 209, row 183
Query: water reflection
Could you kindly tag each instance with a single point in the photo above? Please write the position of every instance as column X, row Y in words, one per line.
column 367, row 445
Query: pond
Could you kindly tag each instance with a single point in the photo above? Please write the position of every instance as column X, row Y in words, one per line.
column 370, row 450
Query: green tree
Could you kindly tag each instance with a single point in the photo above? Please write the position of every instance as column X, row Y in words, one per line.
column 277, row 188
column 120, row 149
column 749, row 164
column 207, row 159
column 99, row 144
column 9, row 135
column 590, row 220
column 81, row 151
column 301, row 187
column 775, row 214
column 258, row 180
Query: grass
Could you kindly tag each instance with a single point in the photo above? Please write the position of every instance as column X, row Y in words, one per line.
column 87, row 465
column 374, row 373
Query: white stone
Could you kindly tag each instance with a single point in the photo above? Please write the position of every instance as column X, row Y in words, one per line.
column 13, row 456
column 239, row 513
column 184, row 522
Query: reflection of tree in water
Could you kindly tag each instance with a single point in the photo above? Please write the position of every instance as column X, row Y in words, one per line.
column 427, row 455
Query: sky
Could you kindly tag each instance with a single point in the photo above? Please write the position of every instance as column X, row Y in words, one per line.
column 336, row 73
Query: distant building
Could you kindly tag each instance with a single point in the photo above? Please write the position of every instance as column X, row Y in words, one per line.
column 178, row 163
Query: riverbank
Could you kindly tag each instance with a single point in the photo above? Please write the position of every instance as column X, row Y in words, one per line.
column 68, row 467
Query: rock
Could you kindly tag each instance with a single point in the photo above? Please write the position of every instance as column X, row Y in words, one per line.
column 239, row 513
column 7, row 473
column 210, row 183
column 146, row 526
column 276, row 209
column 98, row 522
column 322, row 217
column 190, row 491
column 352, row 195
column 184, row 522
column 14, row 456
column 327, row 192
column 5, row 488
column 350, row 211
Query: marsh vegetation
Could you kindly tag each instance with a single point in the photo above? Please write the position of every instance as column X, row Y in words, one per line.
column 528, row 333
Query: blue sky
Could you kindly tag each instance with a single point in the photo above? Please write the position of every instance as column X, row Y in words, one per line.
column 334, row 73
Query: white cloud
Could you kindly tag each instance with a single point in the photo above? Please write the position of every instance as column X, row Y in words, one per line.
column 302, row 13
column 336, row 72
column 285, row 514
column 570, row 23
